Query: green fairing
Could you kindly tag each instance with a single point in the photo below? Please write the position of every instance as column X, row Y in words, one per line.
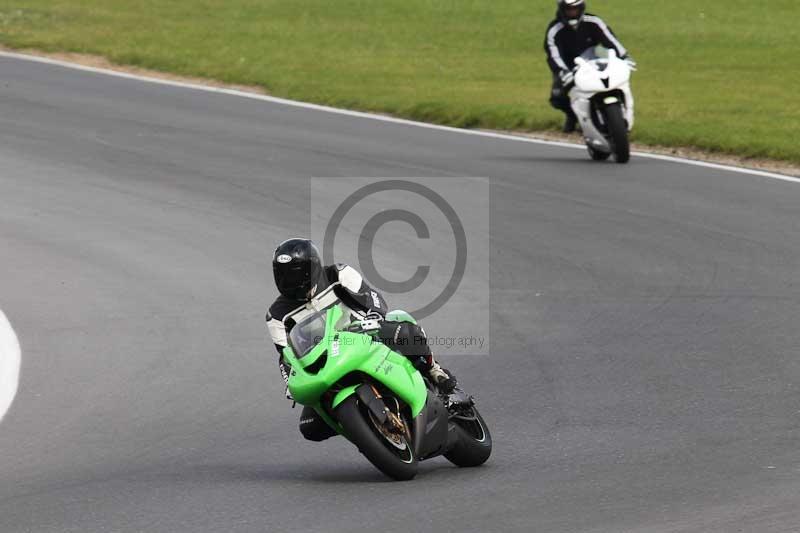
column 348, row 353
column 343, row 394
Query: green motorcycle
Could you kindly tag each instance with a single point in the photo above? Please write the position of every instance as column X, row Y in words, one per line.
column 375, row 397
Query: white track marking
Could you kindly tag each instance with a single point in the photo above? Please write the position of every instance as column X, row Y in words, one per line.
column 360, row 114
column 9, row 364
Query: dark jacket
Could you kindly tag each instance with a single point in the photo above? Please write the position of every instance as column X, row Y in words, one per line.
column 562, row 44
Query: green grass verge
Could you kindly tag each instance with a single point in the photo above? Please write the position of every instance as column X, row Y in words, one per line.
column 717, row 75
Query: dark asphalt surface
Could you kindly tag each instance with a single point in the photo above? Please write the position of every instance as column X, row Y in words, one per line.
column 644, row 360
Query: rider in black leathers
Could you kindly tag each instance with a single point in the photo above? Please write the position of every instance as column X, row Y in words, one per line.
column 299, row 275
column 568, row 35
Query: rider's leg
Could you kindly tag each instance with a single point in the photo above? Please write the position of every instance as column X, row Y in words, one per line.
column 559, row 99
column 410, row 340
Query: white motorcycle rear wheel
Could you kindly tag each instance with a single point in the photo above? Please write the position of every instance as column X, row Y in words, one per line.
column 597, row 155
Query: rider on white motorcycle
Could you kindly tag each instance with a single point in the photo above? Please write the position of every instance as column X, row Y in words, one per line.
column 568, row 36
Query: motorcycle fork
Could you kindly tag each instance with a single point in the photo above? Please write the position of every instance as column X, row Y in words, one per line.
column 394, row 422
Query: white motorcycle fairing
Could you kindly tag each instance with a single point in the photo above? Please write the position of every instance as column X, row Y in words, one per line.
column 608, row 79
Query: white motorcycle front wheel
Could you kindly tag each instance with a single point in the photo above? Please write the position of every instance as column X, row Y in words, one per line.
column 618, row 133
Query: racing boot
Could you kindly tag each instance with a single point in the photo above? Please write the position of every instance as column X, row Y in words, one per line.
column 443, row 379
column 570, row 122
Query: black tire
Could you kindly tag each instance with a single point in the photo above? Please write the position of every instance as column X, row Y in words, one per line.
column 597, row 155
column 359, row 429
column 472, row 448
column 618, row 133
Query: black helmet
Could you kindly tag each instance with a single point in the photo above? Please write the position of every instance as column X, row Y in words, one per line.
column 297, row 268
column 570, row 12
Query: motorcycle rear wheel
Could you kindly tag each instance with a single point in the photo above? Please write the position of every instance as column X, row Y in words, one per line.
column 396, row 459
column 597, row 155
column 474, row 441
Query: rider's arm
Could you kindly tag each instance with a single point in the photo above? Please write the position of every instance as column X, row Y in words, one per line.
column 359, row 293
column 555, row 58
column 605, row 36
column 277, row 330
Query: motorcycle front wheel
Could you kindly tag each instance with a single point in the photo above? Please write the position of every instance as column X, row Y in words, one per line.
column 618, row 133
column 391, row 454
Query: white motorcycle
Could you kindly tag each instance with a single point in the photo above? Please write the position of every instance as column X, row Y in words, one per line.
column 603, row 102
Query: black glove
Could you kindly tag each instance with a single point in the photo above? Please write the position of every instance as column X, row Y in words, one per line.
column 567, row 78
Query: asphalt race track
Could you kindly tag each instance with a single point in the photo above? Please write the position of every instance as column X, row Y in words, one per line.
column 644, row 369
